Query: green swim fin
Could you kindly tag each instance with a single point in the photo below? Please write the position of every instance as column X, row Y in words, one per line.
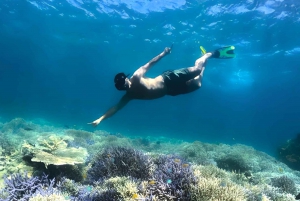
column 224, row 53
column 203, row 51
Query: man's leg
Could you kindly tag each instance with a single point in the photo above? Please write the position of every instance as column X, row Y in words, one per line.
column 195, row 83
column 199, row 68
column 199, row 63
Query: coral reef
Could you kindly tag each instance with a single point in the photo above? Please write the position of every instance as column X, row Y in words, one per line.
column 149, row 171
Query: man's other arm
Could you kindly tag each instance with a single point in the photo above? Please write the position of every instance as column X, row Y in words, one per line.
column 124, row 100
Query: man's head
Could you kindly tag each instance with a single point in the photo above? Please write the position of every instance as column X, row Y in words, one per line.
column 121, row 81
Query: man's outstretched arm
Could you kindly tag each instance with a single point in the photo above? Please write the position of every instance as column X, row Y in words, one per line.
column 142, row 70
column 124, row 100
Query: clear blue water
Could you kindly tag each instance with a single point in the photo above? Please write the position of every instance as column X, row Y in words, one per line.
column 58, row 60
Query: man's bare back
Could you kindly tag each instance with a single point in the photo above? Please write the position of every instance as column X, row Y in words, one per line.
column 146, row 88
column 176, row 82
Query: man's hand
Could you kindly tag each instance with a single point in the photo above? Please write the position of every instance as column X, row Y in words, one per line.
column 96, row 122
column 167, row 50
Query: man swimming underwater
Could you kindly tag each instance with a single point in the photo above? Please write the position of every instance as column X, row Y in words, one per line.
column 173, row 83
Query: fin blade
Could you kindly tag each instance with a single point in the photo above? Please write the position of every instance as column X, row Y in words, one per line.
column 226, row 52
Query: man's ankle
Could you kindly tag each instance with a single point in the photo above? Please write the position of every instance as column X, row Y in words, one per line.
column 215, row 54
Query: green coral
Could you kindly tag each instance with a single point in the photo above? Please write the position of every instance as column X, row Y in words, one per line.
column 51, row 144
column 266, row 192
column 215, row 189
column 214, row 184
column 53, row 150
column 125, row 187
column 210, row 171
column 52, row 197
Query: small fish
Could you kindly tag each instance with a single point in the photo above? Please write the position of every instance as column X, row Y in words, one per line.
column 223, row 184
column 66, row 126
column 88, row 188
column 28, row 129
column 185, row 165
column 169, row 181
column 135, row 196
column 176, row 160
column 152, row 182
column 84, row 175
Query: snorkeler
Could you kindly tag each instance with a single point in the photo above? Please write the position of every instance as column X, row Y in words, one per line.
column 173, row 83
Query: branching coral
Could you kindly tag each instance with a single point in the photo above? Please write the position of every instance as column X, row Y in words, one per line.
column 11, row 162
column 285, row 184
column 126, row 186
column 120, row 161
column 172, row 179
column 196, row 151
column 52, row 197
column 209, row 171
column 209, row 187
column 233, row 163
column 6, row 144
column 98, row 191
column 101, row 194
column 266, row 192
column 23, row 187
column 51, row 144
column 215, row 189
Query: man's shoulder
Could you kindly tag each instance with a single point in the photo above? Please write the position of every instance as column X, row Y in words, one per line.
column 136, row 77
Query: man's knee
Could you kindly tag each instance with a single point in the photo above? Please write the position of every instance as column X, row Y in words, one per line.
column 202, row 60
column 199, row 62
column 194, row 71
column 193, row 84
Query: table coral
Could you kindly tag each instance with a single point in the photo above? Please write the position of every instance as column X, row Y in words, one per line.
column 54, row 150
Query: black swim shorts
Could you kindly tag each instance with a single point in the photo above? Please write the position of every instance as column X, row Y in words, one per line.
column 175, row 81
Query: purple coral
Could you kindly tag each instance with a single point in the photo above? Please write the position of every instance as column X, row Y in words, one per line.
column 173, row 178
column 22, row 187
column 80, row 192
column 108, row 195
column 120, row 161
